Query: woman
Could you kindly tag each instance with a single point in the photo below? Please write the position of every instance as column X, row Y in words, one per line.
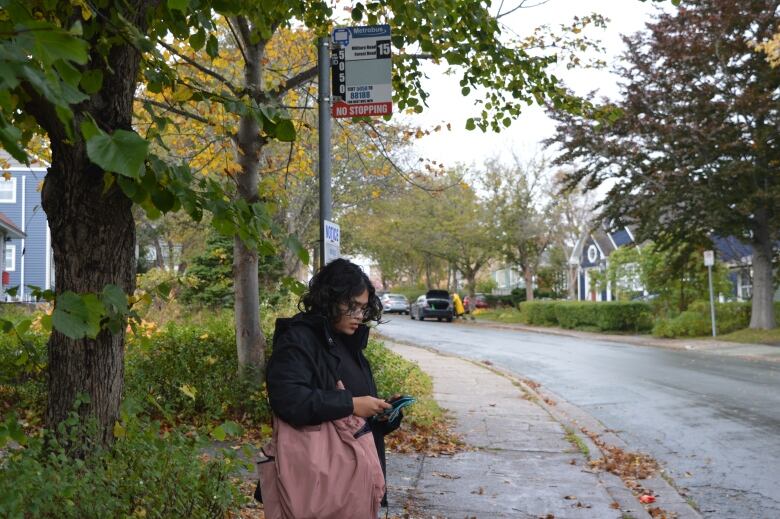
column 324, row 343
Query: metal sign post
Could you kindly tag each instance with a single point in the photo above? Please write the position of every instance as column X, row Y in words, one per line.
column 323, row 60
column 709, row 261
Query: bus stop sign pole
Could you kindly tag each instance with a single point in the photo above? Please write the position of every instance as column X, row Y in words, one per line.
column 323, row 68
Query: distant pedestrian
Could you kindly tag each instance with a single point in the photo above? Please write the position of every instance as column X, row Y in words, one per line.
column 457, row 306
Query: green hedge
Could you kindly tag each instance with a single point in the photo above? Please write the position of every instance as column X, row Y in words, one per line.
column 539, row 313
column 696, row 321
column 187, row 373
column 604, row 316
column 148, row 473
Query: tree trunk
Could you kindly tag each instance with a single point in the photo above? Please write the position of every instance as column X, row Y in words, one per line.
column 93, row 243
column 250, row 341
column 428, row 281
column 762, row 314
column 93, row 240
column 529, row 283
column 573, row 282
column 158, row 260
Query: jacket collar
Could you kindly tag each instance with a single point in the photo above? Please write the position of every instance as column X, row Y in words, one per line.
column 320, row 324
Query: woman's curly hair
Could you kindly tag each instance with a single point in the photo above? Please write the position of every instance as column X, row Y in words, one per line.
column 334, row 286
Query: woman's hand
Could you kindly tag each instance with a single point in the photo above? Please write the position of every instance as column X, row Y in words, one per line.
column 365, row 406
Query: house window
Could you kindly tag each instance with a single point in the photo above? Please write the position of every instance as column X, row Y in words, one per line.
column 8, row 191
column 593, row 254
column 10, row 257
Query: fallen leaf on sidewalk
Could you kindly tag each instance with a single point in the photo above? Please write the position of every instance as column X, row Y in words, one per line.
column 445, row 476
column 615, row 505
column 480, row 491
column 646, row 499
column 487, row 363
column 570, row 497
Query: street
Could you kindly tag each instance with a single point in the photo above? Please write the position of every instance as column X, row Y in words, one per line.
column 713, row 422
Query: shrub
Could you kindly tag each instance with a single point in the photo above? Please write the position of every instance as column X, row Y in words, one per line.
column 23, row 373
column 696, row 321
column 187, row 372
column 146, row 473
column 604, row 316
column 394, row 374
column 540, row 313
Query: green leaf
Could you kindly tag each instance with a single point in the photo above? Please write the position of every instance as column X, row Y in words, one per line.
column 49, row 43
column 163, row 199
column 23, row 326
column 178, row 5
column 470, row 124
column 212, row 46
column 285, row 130
column 198, row 40
column 357, row 12
column 91, row 81
column 115, row 297
column 218, row 433
column 123, row 152
column 77, row 316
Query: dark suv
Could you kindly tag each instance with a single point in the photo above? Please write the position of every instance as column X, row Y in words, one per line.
column 434, row 303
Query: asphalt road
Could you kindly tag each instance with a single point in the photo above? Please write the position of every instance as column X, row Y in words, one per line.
column 712, row 421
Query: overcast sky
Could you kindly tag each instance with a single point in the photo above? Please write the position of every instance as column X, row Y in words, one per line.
column 524, row 136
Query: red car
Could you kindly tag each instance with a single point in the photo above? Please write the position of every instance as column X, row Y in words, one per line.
column 479, row 302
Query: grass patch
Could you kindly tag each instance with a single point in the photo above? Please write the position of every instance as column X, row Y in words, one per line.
column 501, row 315
column 575, row 440
column 749, row 336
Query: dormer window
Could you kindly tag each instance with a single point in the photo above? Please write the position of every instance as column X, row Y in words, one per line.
column 593, row 254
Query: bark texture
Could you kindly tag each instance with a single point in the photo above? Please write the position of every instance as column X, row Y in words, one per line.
column 762, row 314
column 250, row 341
column 93, row 241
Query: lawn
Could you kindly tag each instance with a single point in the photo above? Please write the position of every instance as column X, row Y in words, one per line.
column 501, row 315
column 771, row 337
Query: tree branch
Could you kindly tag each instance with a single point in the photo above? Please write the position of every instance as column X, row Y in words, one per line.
column 179, row 111
column 216, row 75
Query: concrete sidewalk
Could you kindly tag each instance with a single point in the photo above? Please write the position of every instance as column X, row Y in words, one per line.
column 755, row 352
column 526, row 464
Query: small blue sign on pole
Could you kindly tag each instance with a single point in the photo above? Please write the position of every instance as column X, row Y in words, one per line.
column 332, row 243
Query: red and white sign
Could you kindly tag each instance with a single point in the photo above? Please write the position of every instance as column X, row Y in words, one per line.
column 361, row 70
column 342, row 109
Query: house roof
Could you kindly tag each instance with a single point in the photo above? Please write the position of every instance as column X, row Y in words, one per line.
column 730, row 249
column 10, row 228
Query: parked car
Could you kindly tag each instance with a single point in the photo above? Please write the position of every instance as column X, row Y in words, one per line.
column 479, row 302
column 434, row 303
column 394, row 303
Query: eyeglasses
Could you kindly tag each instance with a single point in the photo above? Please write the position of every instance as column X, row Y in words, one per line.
column 359, row 311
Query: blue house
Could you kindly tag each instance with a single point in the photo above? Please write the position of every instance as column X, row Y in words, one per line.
column 28, row 254
column 591, row 255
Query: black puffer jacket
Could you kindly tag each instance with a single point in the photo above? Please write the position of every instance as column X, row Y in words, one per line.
column 302, row 371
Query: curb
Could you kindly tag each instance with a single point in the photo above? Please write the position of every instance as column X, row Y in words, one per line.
column 575, row 420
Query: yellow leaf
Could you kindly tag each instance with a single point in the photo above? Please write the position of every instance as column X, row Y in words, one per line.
column 6, row 175
column 188, row 390
column 210, row 360
column 119, row 431
column 182, row 93
column 204, row 337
